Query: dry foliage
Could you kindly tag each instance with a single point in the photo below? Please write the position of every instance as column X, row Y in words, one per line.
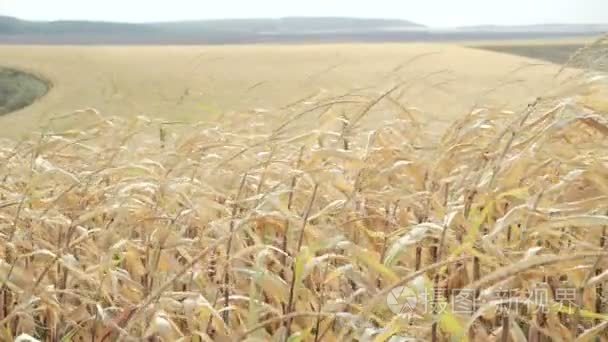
column 265, row 229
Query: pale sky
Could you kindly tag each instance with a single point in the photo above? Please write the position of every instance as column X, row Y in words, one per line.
column 437, row 13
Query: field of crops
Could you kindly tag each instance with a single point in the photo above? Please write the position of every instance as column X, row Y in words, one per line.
column 336, row 193
column 200, row 83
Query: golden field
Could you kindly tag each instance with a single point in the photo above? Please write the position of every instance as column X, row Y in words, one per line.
column 198, row 83
column 304, row 197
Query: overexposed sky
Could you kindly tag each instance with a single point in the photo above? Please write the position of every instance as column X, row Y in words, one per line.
column 438, row 13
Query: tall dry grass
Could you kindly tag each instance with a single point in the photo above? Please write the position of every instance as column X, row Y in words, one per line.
column 298, row 226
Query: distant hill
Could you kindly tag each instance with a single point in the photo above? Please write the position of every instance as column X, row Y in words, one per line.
column 203, row 31
column 14, row 26
column 283, row 30
column 555, row 28
column 289, row 25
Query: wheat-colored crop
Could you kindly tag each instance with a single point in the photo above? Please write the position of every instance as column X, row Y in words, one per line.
column 194, row 83
column 269, row 228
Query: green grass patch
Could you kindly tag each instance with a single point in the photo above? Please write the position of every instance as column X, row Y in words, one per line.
column 558, row 53
column 19, row 90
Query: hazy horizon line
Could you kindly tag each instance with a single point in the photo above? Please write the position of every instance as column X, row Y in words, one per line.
column 297, row 17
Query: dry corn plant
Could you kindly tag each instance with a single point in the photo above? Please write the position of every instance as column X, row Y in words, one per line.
column 270, row 228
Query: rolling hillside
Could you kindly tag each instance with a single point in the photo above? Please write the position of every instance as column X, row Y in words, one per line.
column 188, row 83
